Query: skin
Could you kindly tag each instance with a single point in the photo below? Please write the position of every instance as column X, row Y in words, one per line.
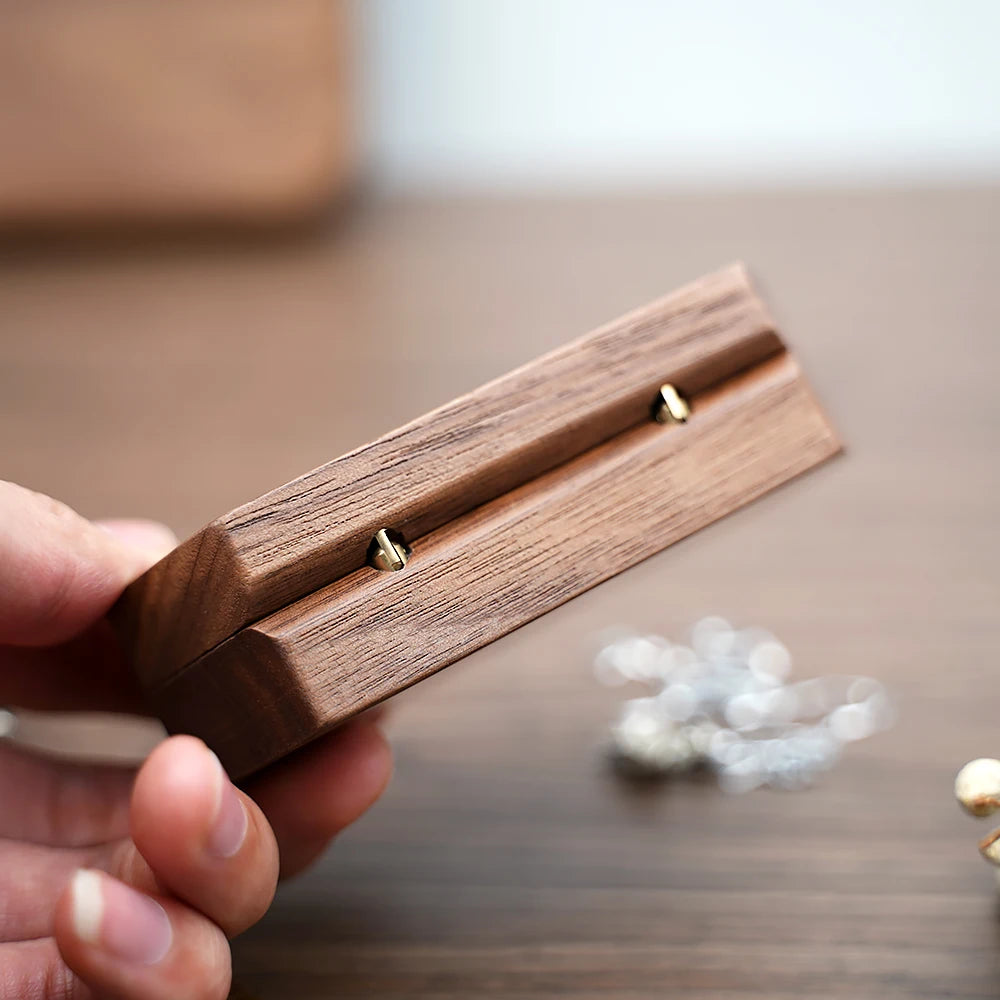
column 151, row 829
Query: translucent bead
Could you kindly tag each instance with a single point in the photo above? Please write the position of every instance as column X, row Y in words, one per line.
column 741, row 776
column 770, row 659
column 745, row 712
column 678, row 701
column 851, row 722
column 711, row 634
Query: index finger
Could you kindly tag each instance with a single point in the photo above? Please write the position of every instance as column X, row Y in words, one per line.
column 59, row 573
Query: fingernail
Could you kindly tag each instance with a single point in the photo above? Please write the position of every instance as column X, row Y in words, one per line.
column 118, row 920
column 148, row 536
column 229, row 828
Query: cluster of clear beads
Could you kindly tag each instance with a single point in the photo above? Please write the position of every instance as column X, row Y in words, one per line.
column 725, row 701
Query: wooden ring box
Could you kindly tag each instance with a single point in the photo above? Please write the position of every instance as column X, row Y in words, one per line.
column 272, row 625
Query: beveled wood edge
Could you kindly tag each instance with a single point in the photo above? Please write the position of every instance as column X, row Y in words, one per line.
column 276, row 650
column 211, row 585
column 270, row 702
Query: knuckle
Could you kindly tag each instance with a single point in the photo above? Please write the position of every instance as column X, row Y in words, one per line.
column 80, row 810
column 55, row 599
column 61, row 984
column 39, row 974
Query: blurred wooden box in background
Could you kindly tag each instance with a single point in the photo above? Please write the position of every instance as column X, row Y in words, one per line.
column 223, row 110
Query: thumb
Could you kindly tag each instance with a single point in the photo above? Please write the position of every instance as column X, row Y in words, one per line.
column 59, row 572
column 149, row 540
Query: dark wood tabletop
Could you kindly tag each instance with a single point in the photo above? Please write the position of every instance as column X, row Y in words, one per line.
column 507, row 860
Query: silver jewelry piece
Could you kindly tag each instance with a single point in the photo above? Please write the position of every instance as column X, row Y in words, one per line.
column 725, row 702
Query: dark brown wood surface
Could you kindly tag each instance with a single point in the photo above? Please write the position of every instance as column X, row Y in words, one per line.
column 505, row 861
column 316, row 529
column 308, row 667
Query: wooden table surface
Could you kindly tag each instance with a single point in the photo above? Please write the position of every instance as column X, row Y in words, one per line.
column 506, row 860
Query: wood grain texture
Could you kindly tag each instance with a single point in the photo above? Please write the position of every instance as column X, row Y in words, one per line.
column 505, row 861
column 283, row 681
column 316, row 529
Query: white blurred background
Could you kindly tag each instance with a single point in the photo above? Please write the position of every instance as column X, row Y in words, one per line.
column 553, row 94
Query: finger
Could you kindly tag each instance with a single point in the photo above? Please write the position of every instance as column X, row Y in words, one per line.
column 124, row 943
column 61, row 803
column 314, row 794
column 31, row 879
column 153, row 539
column 203, row 838
column 89, row 671
column 35, row 969
column 60, row 573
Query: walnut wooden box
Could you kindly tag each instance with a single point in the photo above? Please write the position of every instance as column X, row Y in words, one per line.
column 274, row 623
column 234, row 111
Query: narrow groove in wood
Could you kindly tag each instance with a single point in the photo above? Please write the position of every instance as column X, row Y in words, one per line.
column 367, row 636
column 705, row 397
column 298, row 538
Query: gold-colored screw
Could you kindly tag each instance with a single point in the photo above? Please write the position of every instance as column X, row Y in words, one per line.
column 388, row 550
column 671, row 407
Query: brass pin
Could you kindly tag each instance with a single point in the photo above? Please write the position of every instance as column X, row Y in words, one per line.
column 388, row 551
column 671, row 407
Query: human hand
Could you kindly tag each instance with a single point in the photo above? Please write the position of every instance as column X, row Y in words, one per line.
column 122, row 884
